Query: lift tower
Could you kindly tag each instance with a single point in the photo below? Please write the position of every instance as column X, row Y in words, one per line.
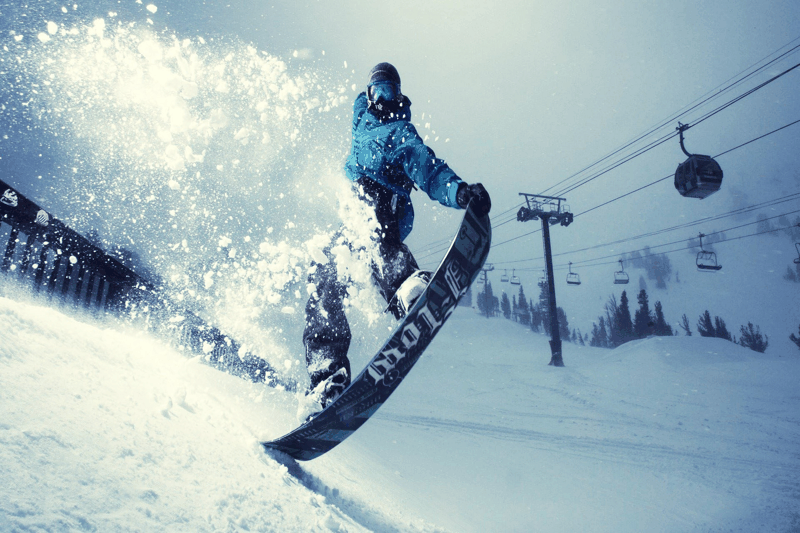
column 550, row 210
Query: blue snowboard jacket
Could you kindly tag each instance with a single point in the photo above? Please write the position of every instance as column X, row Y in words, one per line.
column 391, row 153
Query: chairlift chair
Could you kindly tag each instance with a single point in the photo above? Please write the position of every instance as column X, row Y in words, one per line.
column 621, row 277
column 572, row 277
column 706, row 260
column 504, row 277
column 699, row 176
column 514, row 278
column 542, row 279
column 797, row 245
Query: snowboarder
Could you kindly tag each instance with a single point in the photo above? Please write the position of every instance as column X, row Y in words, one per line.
column 387, row 160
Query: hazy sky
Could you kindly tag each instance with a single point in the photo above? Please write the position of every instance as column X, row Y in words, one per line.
column 530, row 92
column 523, row 94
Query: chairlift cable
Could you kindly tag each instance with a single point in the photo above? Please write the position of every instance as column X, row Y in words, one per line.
column 680, row 113
column 773, row 230
column 590, row 262
column 742, row 96
column 618, row 163
column 658, row 142
column 734, row 212
column 662, row 140
column 651, row 146
column 670, row 175
column 651, row 183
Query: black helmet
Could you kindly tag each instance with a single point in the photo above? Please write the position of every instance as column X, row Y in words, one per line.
column 384, row 72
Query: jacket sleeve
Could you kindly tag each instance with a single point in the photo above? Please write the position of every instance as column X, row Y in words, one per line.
column 428, row 172
column 359, row 106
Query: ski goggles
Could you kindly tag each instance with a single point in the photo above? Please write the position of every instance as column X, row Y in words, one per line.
column 382, row 90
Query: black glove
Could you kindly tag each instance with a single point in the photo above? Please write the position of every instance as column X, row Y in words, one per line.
column 474, row 193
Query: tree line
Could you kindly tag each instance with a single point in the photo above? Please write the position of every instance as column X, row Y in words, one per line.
column 616, row 326
column 527, row 312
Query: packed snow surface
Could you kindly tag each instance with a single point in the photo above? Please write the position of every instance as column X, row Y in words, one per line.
column 103, row 428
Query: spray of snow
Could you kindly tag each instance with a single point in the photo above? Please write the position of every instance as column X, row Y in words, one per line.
column 213, row 163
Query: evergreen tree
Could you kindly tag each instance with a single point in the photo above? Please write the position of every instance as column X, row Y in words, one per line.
column 544, row 295
column 524, row 310
column 795, row 339
column 636, row 259
column 752, row 338
column 563, row 324
column 602, row 339
column 658, row 267
column 595, row 340
column 505, row 305
column 642, row 317
column 514, row 309
column 612, row 312
column 545, row 314
column 623, row 320
column 705, row 327
column 574, row 337
column 580, row 338
column 662, row 327
column 685, row 325
column 486, row 300
column 536, row 317
column 721, row 330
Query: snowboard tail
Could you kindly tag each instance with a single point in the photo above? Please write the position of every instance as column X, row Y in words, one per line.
column 373, row 386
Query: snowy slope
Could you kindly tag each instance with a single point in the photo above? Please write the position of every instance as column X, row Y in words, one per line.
column 105, row 429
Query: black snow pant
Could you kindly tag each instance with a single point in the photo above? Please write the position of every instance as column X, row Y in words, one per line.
column 327, row 334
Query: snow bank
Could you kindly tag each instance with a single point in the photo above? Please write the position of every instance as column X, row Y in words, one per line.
column 104, row 428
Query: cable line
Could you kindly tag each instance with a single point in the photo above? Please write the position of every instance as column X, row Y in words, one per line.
column 671, row 119
column 653, row 144
column 670, row 175
column 590, row 262
column 651, row 183
column 444, row 243
column 734, row 212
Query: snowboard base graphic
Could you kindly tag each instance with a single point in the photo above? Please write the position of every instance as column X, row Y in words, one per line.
column 367, row 392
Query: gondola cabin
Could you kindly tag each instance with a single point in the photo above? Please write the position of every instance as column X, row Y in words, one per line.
column 698, row 177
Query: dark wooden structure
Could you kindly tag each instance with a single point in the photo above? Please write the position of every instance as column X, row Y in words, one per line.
column 41, row 252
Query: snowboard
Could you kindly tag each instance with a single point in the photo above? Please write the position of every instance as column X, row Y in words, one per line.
column 373, row 386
